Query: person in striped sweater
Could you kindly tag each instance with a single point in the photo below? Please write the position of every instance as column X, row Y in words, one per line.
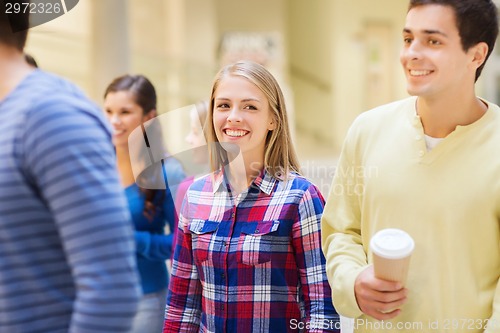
column 67, row 254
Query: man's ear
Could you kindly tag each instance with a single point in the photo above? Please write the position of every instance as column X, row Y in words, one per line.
column 479, row 53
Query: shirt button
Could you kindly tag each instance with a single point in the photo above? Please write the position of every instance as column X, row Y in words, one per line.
column 232, row 215
column 421, row 153
column 223, row 275
column 418, row 137
column 257, row 231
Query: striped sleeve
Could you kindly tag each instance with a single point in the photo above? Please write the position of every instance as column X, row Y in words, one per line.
column 68, row 155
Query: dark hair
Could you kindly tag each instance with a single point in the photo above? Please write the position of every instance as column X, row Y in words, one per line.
column 477, row 21
column 142, row 89
column 13, row 26
column 144, row 95
column 30, row 60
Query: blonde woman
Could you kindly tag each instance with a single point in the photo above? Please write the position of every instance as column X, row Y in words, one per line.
column 248, row 255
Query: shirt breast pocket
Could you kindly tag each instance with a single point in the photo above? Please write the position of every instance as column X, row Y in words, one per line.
column 255, row 243
column 202, row 238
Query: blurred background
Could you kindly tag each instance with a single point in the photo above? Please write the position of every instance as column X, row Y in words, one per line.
column 333, row 58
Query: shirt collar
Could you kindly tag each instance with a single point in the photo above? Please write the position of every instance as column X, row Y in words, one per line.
column 264, row 181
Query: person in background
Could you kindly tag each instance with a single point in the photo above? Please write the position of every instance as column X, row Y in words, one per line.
column 248, row 255
column 428, row 165
column 197, row 139
column 129, row 102
column 196, row 136
column 67, row 256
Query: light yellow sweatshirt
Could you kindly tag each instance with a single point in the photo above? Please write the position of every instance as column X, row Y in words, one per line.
column 447, row 199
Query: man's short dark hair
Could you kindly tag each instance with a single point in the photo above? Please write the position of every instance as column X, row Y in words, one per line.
column 477, row 21
column 13, row 26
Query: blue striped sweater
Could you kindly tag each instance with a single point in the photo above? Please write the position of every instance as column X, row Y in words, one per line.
column 67, row 255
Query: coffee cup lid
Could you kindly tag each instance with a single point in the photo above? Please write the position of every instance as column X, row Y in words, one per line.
column 392, row 243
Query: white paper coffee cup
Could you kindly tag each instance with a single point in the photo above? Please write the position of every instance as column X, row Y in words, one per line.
column 392, row 249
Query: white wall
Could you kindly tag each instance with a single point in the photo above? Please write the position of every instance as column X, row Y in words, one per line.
column 62, row 46
column 310, row 27
column 175, row 43
column 351, row 52
column 329, row 62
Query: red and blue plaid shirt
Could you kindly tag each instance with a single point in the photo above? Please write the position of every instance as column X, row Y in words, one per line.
column 251, row 263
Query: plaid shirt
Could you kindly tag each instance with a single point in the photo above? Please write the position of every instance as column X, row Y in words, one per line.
column 254, row 266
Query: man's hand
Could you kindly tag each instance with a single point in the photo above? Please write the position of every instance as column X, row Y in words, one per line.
column 377, row 298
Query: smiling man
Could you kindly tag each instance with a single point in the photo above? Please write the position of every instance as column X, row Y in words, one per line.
column 438, row 178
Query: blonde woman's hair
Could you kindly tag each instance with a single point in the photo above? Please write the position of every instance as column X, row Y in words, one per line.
column 279, row 157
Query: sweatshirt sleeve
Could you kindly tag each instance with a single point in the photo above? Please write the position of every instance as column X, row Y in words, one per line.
column 341, row 231
column 492, row 325
column 70, row 158
column 154, row 246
